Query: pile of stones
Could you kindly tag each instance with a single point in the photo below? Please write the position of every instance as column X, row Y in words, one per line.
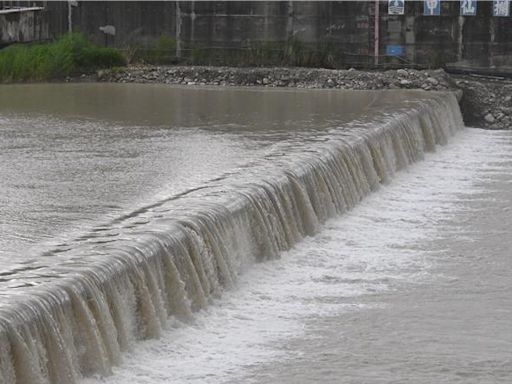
column 486, row 102
column 281, row 77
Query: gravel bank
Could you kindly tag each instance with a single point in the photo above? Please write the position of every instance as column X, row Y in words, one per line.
column 485, row 103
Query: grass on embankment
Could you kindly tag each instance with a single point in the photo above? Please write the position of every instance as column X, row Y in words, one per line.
column 69, row 55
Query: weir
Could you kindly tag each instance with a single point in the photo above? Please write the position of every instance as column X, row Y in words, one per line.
column 174, row 257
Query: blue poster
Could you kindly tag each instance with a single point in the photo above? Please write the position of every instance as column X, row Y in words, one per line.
column 394, row 50
column 501, row 8
column 432, row 7
column 468, row 7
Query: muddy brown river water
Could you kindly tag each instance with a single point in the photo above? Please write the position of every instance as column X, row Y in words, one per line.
column 154, row 234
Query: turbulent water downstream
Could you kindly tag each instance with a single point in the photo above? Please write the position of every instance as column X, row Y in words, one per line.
column 180, row 235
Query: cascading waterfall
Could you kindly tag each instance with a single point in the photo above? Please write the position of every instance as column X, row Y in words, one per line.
column 78, row 318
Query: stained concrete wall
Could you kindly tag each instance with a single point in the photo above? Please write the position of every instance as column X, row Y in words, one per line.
column 225, row 26
column 23, row 26
column 135, row 22
column 483, row 40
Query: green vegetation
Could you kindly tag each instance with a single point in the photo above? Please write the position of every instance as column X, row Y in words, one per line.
column 161, row 52
column 69, row 55
column 294, row 52
column 165, row 51
column 323, row 54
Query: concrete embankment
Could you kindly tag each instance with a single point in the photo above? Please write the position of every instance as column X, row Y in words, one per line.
column 485, row 102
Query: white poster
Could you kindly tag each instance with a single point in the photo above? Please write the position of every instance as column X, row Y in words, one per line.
column 468, row 7
column 396, row 7
column 432, row 7
column 501, row 8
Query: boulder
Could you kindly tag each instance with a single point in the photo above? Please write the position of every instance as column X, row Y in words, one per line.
column 489, row 118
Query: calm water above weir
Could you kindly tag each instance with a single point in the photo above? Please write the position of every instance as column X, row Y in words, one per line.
column 153, row 234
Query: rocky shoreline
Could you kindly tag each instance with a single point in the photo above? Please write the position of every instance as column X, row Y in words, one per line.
column 485, row 103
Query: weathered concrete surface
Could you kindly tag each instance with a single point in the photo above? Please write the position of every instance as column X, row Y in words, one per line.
column 481, row 98
column 23, row 25
column 223, row 27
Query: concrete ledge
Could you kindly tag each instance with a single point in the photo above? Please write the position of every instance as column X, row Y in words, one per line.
column 502, row 71
column 20, row 10
column 23, row 25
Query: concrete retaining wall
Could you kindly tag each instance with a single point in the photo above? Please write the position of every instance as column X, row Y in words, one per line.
column 23, row 25
column 219, row 28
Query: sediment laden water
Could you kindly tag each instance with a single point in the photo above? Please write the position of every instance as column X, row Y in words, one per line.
column 170, row 259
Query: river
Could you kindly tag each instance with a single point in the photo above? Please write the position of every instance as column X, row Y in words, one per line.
column 413, row 286
column 153, row 234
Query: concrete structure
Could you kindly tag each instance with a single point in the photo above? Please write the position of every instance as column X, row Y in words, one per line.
column 218, row 30
column 23, row 25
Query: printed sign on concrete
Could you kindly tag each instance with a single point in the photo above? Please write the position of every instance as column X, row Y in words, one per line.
column 501, row 8
column 396, row 7
column 394, row 50
column 468, row 7
column 432, row 7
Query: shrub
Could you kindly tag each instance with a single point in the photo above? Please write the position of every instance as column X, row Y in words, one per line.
column 165, row 51
column 70, row 54
column 162, row 51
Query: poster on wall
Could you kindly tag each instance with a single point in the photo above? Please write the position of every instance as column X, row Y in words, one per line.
column 468, row 7
column 432, row 7
column 394, row 50
column 396, row 7
column 501, row 8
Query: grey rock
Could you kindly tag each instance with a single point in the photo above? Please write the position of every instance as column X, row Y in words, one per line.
column 101, row 74
column 432, row 81
column 489, row 118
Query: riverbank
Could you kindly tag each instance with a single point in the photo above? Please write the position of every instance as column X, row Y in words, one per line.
column 485, row 102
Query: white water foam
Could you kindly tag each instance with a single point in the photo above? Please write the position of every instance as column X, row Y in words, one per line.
column 378, row 246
